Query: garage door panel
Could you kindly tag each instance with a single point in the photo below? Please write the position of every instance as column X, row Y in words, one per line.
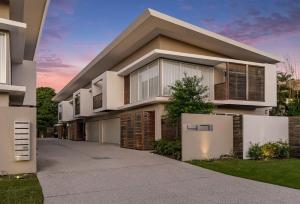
column 93, row 131
column 111, row 131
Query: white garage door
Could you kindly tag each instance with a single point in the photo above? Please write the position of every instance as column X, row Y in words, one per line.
column 92, row 131
column 111, row 131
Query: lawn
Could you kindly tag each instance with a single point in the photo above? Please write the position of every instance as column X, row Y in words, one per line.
column 281, row 172
column 25, row 189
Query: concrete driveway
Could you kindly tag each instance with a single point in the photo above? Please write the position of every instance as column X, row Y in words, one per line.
column 85, row 172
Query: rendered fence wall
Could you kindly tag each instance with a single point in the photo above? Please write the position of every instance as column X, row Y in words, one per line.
column 199, row 143
column 263, row 129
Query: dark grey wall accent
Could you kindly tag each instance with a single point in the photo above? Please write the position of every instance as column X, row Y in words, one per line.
column 294, row 135
column 238, row 136
column 25, row 75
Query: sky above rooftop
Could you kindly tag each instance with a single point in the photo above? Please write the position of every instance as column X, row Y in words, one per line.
column 75, row 31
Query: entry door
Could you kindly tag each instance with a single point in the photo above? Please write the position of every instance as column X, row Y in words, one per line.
column 111, row 131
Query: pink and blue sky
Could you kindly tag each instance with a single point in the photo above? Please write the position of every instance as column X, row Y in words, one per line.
column 75, row 31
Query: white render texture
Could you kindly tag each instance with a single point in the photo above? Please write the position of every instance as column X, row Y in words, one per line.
column 86, row 102
column 67, row 111
column 263, row 129
column 112, row 90
column 206, row 144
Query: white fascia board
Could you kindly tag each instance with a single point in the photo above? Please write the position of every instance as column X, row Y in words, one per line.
column 17, row 38
column 41, row 27
column 145, row 102
column 180, row 56
column 211, row 34
column 12, row 89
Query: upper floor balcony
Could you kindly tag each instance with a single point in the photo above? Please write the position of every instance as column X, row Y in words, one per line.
column 107, row 92
column 65, row 111
column 82, row 103
column 229, row 81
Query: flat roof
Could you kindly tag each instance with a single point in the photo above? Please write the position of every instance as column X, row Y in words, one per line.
column 146, row 27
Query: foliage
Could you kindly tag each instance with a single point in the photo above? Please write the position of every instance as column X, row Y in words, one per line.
column 188, row 96
column 270, row 150
column 46, row 108
column 283, row 93
column 20, row 189
column 293, row 107
column 285, row 172
column 168, row 148
column 255, row 151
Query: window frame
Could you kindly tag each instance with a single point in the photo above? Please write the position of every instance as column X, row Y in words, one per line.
column 4, row 70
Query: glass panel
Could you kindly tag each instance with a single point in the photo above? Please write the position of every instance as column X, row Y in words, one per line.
column 134, row 87
column 2, row 58
column 171, row 73
column 256, row 82
column 143, row 84
column 153, row 79
column 190, row 70
column 220, row 79
column 207, row 74
column 237, row 81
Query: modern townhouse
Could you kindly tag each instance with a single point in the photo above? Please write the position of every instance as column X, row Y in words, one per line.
column 20, row 30
column 119, row 96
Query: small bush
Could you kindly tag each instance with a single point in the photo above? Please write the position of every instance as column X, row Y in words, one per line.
column 168, row 148
column 255, row 151
column 270, row 150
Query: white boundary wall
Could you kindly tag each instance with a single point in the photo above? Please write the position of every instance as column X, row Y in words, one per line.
column 263, row 129
column 198, row 143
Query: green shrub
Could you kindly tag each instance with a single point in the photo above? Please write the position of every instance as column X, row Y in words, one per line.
column 168, row 148
column 255, row 151
column 293, row 108
column 270, row 150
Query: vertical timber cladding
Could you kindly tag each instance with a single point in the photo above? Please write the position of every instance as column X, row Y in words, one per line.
column 138, row 130
column 127, row 89
column 294, row 136
column 238, row 136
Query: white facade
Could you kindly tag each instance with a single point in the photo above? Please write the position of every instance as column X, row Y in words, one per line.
column 263, row 129
column 82, row 99
column 65, row 111
column 111, row 88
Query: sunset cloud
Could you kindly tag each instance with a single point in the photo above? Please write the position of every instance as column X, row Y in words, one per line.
column 258, row 26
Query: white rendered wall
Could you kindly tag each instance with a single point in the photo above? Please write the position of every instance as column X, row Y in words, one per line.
column 263, row 129
column 67, row 111
column 206, row 144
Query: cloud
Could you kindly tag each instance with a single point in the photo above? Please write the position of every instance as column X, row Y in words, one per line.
column 56, row 80
column 257, row 26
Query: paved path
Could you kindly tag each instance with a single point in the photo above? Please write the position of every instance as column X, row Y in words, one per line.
column 85, row 172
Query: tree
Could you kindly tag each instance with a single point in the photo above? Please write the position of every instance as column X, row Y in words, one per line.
column 46, row 109
column 293, row 107
column 188, row 96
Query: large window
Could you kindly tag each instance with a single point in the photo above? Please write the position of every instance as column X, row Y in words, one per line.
column 244, row 82
column 3, row 58
column 144, row 83
column 173, row 71
column 256, row 83
column 237, row 81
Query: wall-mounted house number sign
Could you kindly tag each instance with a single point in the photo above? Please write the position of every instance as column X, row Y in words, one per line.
column 200, row 127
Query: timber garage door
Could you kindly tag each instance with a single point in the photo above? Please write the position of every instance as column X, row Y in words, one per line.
column 93, row 131
column 138, row 130
column 111, row 131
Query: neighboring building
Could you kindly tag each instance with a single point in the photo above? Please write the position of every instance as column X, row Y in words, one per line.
column 20, row 29
column 119, row 96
